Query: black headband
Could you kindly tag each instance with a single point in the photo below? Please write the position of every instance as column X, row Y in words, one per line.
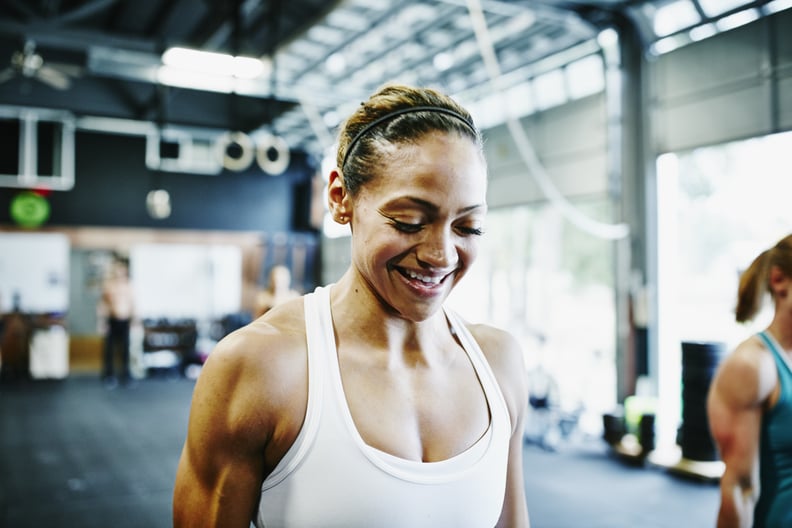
column 401, row 111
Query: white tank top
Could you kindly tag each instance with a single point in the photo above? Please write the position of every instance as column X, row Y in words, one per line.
column 331, row 478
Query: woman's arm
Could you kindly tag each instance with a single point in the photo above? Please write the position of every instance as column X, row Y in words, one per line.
column 515, row 508
column 739, row 389
column 222, row 462
column 506, row 359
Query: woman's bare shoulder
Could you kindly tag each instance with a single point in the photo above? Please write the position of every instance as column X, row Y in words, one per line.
column 497, row 344
column 253, row 384
column 747, row 375
column 746, row 358
column 264, row 361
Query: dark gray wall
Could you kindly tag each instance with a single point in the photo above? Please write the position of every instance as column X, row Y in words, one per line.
column 112, row 182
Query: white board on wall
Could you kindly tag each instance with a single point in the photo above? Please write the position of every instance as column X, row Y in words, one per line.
column 34, row 267
column 186, row 281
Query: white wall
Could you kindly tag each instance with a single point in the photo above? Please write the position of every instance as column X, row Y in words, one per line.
column 186, row 281
column 36, row 267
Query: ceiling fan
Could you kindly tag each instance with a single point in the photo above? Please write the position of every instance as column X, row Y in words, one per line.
column 29, row 64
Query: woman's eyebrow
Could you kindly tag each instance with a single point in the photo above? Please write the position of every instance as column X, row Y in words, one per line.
column 433, row 207
column 472, row 208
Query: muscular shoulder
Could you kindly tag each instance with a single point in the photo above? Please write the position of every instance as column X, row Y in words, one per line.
column 747, row 376
column 499, row 346
column 257, row 372
column 273, row 335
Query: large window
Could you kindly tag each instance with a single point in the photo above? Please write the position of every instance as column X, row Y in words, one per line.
column 719, row 207
column 551, row 286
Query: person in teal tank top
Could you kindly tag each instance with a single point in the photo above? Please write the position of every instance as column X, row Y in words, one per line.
column 750, row 402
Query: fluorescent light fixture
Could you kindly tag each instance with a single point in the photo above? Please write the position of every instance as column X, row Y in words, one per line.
column 212, row 63
column 702, row 32
column 585, row 76
column 183, row 78
column 778, row 5
column 666, row 45
column 336, row 63
column 550, row 89
column 442, row 61
column 520, row 99
column 331, row 119
column 674, row 17
column 489, row 111
column 738, row 19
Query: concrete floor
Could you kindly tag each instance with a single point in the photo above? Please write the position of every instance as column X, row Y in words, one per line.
column 74, row 454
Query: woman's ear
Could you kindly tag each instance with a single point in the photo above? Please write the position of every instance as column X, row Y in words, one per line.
column 779, row 282
column 338, row 199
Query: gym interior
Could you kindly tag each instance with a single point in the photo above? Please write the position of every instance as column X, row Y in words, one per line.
column 638, row 155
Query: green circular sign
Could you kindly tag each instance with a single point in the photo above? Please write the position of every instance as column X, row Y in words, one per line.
column 29, row 209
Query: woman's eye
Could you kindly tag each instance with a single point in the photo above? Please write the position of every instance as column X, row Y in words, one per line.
column 405, row 227
column 477, row 231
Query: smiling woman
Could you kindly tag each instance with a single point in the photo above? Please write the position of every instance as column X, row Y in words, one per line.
column 368, row 402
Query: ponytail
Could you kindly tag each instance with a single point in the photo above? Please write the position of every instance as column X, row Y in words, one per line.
column 751, row 288
column 754, row 281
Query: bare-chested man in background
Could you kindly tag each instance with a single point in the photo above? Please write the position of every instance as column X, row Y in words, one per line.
column 117, row 306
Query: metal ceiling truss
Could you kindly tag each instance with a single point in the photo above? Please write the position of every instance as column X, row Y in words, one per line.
column 324, row 61
column 326, row 56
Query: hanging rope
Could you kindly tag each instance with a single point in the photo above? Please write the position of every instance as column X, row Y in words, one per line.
column 524, row 147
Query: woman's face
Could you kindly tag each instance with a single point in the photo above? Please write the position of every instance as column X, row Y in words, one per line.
column 417, row 223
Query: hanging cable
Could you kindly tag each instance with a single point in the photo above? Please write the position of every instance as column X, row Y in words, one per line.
column 524, row 147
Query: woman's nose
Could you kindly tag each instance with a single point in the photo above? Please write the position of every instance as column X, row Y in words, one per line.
column 438, row 249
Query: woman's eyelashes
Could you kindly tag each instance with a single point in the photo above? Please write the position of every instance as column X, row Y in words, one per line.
column 475, row 231
column 406, row 227
column 415, row 227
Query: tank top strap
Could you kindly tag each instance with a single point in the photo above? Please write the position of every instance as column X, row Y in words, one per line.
column 331, row 478
column 782, row 360
column 487, row 377
column 783, row 364
column 315, row 330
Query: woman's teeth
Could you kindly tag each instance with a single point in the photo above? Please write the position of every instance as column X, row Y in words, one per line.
column 422, row 278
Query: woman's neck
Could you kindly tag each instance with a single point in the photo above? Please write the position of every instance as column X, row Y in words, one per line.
column 781, row 329
column 355, row 304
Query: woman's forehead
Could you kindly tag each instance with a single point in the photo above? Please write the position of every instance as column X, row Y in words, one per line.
column 435, row 171
column 434, row 151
